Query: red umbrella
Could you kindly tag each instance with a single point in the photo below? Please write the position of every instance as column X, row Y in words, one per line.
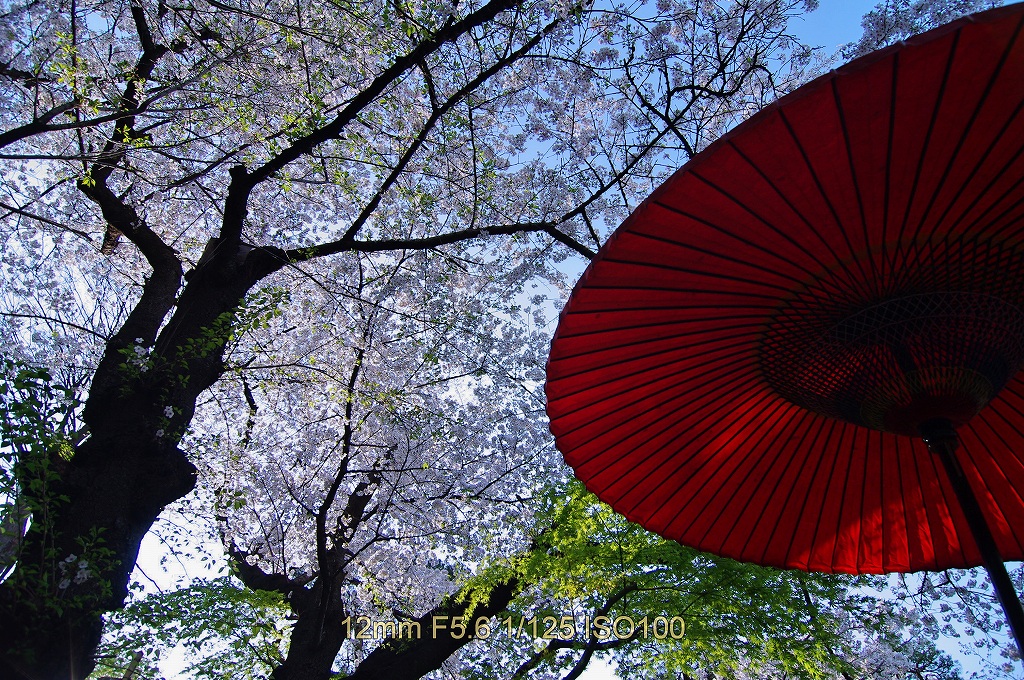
column 754, row 362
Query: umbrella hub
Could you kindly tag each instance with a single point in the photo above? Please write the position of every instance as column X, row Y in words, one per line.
column 894, row 363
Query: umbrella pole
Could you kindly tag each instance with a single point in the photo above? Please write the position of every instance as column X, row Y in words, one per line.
column 942, row 440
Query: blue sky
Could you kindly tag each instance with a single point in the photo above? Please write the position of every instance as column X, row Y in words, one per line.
column 834, row 22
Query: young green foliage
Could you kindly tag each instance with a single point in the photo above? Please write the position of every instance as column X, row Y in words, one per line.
column 221, row 630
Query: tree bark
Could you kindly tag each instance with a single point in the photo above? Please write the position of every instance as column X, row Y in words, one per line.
column 128, row 469
column 115, row 486
column 318, row 633
column 408, row 659
column 421, row 646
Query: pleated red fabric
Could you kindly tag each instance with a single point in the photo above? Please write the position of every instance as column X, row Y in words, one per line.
column 898, row 176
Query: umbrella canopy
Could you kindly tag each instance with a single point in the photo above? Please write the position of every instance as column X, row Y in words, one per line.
column 748, row 364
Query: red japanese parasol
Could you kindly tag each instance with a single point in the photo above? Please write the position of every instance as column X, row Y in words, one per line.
column 804, row 349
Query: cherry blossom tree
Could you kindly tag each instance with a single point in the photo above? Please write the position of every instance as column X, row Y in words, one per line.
column 893, row 20
column 590, row 584
column 284, row 252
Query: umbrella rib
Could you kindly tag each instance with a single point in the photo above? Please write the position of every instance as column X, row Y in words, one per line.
column 640, row 342
column 899, row 497
column 785, row 199
column 613, row 361
column 744, row 322
column 950, row 164
column 766, row 410
column 926, row 540
column 927, row 139
column 672, row 307
column 770, row 300
column 929, row 511
column 669, row 455
column 1011, row 387
column 698, row 272
column 722, row 462
column 635, row 402
column 841, row 261
column 722, row 413
column 652, row 434
column 890, row 258
column 815, row 423
column 630, row 314
column 864, row 500
column 995, row 203
column 874, row 278
column 996, row 407
column 766, row 404
column 843, row 433
column 680, row 378
column 950, row 506
column 988, row 487
column 721, row 255
column 732, row 234
column 639, row 373
column 834, row 427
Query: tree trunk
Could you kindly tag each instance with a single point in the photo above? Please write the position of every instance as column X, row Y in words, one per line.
column 128, row 469
column 115, row 488
column 408, row 659
column 318, row 634
column 419, row 646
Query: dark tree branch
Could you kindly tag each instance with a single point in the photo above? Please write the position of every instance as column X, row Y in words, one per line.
column 572, row 243
column 409, row 659
column 124, row 126
column 436, row 114
column 323, row 552
column 592, row 645
column 14, row 210
column 126, row 219
column 243, row 181
column 159, row 292
column 256, row 579
column 40, row 124
column 68, row 324
column 424, row 243
column 26, row 78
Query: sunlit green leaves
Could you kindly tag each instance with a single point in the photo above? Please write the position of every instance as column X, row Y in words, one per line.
column 213, row 629
column 740, row 619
